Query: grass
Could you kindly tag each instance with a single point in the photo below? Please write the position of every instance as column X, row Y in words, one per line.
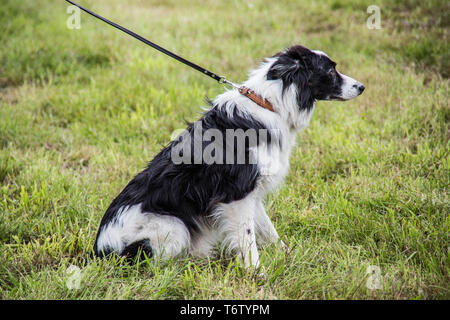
column 82, row 111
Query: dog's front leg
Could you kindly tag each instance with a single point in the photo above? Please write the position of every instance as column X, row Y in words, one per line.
column 247, row 243
column 237, row 220
column 265, row 229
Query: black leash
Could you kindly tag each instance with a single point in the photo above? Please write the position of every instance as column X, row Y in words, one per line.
column 220, row 79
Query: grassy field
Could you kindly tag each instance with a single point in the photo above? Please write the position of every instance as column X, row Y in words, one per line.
column 83, row 111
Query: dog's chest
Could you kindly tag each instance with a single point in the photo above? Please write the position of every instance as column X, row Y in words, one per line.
column 273, row 165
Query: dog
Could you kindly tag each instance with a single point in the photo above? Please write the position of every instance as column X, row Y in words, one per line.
column 174, row 207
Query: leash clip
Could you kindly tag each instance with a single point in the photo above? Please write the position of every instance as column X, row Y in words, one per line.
column 224, row 81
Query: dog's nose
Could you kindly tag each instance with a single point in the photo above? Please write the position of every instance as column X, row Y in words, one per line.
column 360, row 87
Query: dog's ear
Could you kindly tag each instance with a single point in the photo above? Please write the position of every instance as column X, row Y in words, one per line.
column 305, row 98
column 283, row 68
column 293, row 70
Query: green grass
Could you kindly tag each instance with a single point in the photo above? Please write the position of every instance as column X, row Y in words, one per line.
column 82, row 111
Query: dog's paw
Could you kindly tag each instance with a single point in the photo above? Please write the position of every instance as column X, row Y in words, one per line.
column 283, row 246
column 261, row 275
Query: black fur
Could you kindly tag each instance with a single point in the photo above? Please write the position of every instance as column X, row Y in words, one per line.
column 314, row 75
column 139, row 247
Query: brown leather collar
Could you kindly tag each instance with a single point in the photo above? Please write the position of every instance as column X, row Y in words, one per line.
column 249, row 93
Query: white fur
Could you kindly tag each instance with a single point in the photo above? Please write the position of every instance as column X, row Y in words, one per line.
column 320, row 53
column 349, row 88
column 168, row 236
column 235, row 221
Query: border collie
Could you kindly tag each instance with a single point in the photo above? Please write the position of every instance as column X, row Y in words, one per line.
column 189, row 206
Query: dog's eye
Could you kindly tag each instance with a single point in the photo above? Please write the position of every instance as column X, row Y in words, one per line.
column 332, row 72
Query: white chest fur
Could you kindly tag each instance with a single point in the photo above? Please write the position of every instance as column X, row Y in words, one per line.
column 273, row 163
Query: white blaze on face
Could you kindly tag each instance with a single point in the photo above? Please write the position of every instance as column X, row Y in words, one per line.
column 320, row 53
column 350, row 88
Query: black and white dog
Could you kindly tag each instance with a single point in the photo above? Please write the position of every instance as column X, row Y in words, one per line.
column 175, row 207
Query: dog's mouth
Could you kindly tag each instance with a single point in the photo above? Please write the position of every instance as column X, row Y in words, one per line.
column 337, row 98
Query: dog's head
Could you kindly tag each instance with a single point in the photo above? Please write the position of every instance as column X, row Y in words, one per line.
column 314, row 75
